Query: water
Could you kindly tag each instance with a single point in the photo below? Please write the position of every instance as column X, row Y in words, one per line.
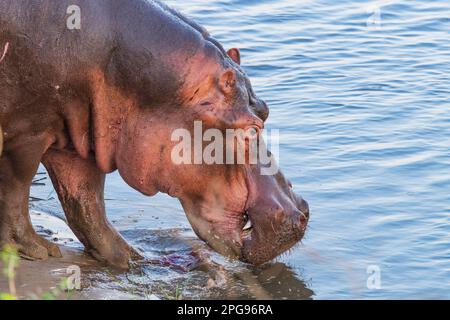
column 362, row 105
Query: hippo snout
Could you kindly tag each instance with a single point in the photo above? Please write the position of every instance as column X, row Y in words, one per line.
column 295, row 214
column 279, row 221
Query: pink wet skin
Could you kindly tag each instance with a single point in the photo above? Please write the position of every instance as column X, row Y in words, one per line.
column 218, row 199
column 113, row 105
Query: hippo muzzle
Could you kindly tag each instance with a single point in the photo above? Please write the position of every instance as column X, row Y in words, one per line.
column 272, row 221
column 277, row 221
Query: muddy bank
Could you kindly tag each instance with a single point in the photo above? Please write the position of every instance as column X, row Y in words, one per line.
column 178, row 266
column 34, row 279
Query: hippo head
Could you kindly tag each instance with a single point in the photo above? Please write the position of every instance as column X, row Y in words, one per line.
column 235, row 209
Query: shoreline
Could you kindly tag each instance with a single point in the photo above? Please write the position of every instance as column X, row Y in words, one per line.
column 35, row 278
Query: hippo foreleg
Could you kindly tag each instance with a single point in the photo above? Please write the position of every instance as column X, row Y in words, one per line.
column 80, row 187
column 18, row 166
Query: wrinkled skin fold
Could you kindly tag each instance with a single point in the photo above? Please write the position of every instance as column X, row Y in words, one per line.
column 108, row 97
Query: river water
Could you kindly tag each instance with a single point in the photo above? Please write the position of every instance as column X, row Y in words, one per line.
column 360, row 91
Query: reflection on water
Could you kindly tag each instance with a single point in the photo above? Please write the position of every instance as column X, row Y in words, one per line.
column 177, row 266
column 177, row 260
column 362, row 105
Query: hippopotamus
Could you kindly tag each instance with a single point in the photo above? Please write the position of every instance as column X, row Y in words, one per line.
column 92, row 87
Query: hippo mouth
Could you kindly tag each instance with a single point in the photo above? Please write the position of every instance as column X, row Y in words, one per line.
column 255, row 236
column 259, row 221
column 247, row 228
column 273, row 221
column 263, row 241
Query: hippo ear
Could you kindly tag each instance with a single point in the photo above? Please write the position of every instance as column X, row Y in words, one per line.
column 228, row 81
column 235, row 55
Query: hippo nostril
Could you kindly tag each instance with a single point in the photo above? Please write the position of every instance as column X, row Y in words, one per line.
column 303, row 206
column 262, row 110
column 305, row 213
column 303, row 218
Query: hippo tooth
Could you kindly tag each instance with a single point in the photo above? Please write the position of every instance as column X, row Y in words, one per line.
column 248, row 225
column 5, row 51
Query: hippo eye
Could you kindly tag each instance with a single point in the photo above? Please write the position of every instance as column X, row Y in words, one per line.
column 204, row 104
column 254, row 132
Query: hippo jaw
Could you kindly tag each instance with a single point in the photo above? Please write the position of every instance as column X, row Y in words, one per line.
column 261, row 244
column 271, row 221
